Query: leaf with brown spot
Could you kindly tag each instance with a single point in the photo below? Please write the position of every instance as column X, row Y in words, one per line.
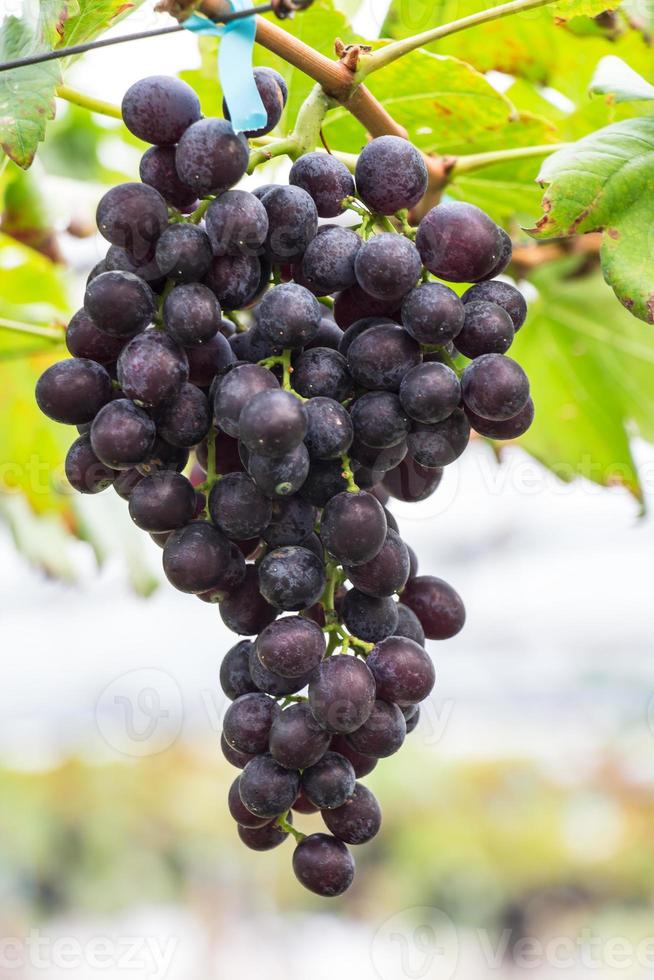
column 605, row 182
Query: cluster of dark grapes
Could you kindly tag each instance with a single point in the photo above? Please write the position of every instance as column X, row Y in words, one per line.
column 313, row 371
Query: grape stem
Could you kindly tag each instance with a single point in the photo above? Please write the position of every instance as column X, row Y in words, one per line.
column 212, row 476
column 89, row 102
column 348, row 475
column 477, row 161
column 283, row 824
column 327, row 599
column 348, row 640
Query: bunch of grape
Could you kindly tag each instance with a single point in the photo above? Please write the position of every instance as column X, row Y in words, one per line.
column 351, row 374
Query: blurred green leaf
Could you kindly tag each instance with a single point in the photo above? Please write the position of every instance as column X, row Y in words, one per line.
column 591, row 367
column 614, row 77
column 603, row 182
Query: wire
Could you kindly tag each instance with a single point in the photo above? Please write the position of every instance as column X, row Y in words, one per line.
column 158, row 32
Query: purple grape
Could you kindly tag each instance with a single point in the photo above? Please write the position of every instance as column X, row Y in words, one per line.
column 289, row 316
column 363, row 765
column 411, row 482
column 292, row 522
column 263, row 838
column 158, row 170
column 368, row 617
column 440, row 443
column 387, row 266
column 322, row 373
column 323, row 865
column 511, row 428
column 326, row 179
column 358, row 820
column 183, row 253
column 329, row 261
column 238, row 508
column 280, row 476
column 341, row 694
column 379, row 419
column 436, row 604
column 122, row 435
column 152, row 368
column 430, row 392
column 235, row 677
column 353, row 527
column 502, row 294
column 386, row 573
column 266, row 788
column 132, row 216
column 84, row 471
column 73, row 391
column 329, row 429
column 185, row 420
column 488, row 329
column 237, row 223
column 432, row 313
column 291, row 578
column 382, row 734
column 381, row 356
column 296, row 739
column 195, row 557
column 403, row 671
column 458, row 242
column 291, row 646
column 408, row 625
column 119, row 303
column 273, row 423
column 85, row 340
column 292, row 223
column 159, row 109
column 495, row 387
column 162, row 502
column 330, row 781
column 209, row 360
column 234, row 279
column 245, row 611
column 211, row 157
column 390, row 175
column 247, row 723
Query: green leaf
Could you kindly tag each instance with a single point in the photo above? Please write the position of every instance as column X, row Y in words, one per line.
column 27, row 95
column 591, row 367
column 604, row 183
column 614, row 77
column 94, row 17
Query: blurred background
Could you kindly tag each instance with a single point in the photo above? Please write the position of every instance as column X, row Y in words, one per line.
column 517, row 836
